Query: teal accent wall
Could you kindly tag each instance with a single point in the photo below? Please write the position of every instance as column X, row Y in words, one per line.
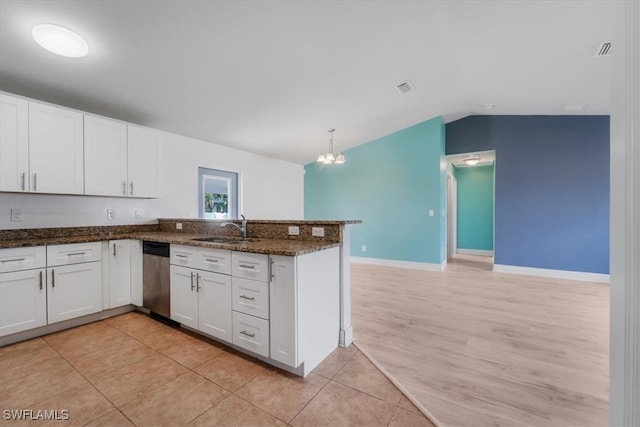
column 475, row 208
column 390, row 184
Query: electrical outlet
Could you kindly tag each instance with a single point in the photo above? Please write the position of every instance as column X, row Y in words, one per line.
column 364, row 248
column 430, row 212
column 294, row 230
column 178, row 226
column 317, row 231
column 17, row 215
column 111, row 213
column 137, row 213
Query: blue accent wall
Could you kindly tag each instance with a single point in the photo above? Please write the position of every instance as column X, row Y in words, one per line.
column 551, row 187
column 475, row 208
column 390, row 184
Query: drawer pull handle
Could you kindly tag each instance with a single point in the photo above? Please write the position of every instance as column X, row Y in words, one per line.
column 40, row 280
column 212, row 260
column 246, row 297
column 180, row 256
column 131, row 188
column 13, row 260
column 192, row 281
column 124, row 188
column 247, row 266
column 53, row 278
column 35, row 182
column 22, row 187
column 198, row 287
column 247, row 334
column 77, row 254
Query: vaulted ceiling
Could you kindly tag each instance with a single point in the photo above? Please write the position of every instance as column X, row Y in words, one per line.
column 271, row 77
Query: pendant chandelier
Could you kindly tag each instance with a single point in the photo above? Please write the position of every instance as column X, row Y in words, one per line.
column 329, row 157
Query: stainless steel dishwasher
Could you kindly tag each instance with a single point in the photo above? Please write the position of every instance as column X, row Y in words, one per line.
column 156, row 296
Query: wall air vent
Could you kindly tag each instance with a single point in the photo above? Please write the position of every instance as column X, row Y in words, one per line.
column 603, row 50
column 405, row 87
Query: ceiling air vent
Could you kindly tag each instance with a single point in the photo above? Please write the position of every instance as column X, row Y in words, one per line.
column 603, row 50
column 405, row 87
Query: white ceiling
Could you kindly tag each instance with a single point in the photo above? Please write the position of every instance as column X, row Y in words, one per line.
column 271, row 77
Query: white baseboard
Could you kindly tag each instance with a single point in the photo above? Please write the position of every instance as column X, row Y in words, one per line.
column 556, row 274
column 481, row 252
column 400, row 264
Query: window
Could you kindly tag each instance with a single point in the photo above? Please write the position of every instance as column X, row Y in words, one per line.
column 217, row 193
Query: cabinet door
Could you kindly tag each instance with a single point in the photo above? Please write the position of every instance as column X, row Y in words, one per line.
column 184, row 299
column 136, row 272
column 214, row 304
column 119, row 273
column 283, row 311
column 56, row 150
column 142, row 150
column 105, row 157
column 23, row 301
column 14, row 144
column 73, row 291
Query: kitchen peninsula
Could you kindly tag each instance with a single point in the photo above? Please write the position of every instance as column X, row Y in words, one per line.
column 281, row 294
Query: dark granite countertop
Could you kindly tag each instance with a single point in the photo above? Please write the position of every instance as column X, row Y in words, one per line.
column 260, row 246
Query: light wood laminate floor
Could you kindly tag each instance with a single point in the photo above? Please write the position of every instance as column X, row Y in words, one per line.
column 479, row 348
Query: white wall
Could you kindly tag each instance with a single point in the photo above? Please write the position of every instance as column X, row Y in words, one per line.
column 269, row 189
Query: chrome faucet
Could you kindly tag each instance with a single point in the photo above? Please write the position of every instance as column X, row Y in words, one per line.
column 243, row 229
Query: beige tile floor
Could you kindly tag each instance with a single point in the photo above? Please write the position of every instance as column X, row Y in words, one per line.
column 133, row 370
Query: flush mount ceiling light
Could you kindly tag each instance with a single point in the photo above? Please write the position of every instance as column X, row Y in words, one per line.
column 471, row 160
column 60, row 40
column 329, row 158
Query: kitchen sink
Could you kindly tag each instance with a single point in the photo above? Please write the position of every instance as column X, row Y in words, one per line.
column 220, row 240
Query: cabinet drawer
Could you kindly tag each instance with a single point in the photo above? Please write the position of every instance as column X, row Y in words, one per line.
column 74, row 253
column 251, row 333
column 27, row 258
column 183, row 255
column 250, row 266
column 216, row 260
column 250, row 297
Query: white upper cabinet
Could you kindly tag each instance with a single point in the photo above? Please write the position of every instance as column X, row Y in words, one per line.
column 105, row 157
column 14, row 144
column 56, row 161
column 49, row 149
column 142, row 152
column 119, row 159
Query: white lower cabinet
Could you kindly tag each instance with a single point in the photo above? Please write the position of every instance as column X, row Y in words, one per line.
column 202, row 300
column 73, row 290
column 119, row 273
column 251, row 333
column 23, row 301
column 283, row 299
column 136, row 272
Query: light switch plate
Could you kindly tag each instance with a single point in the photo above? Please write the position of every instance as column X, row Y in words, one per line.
column 178, row 226
column 294, row 230
column 317, row 231
column 17, row 215
column 111, row 213
column 430, row 212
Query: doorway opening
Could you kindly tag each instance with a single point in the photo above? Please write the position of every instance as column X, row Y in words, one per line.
column 470, row 219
